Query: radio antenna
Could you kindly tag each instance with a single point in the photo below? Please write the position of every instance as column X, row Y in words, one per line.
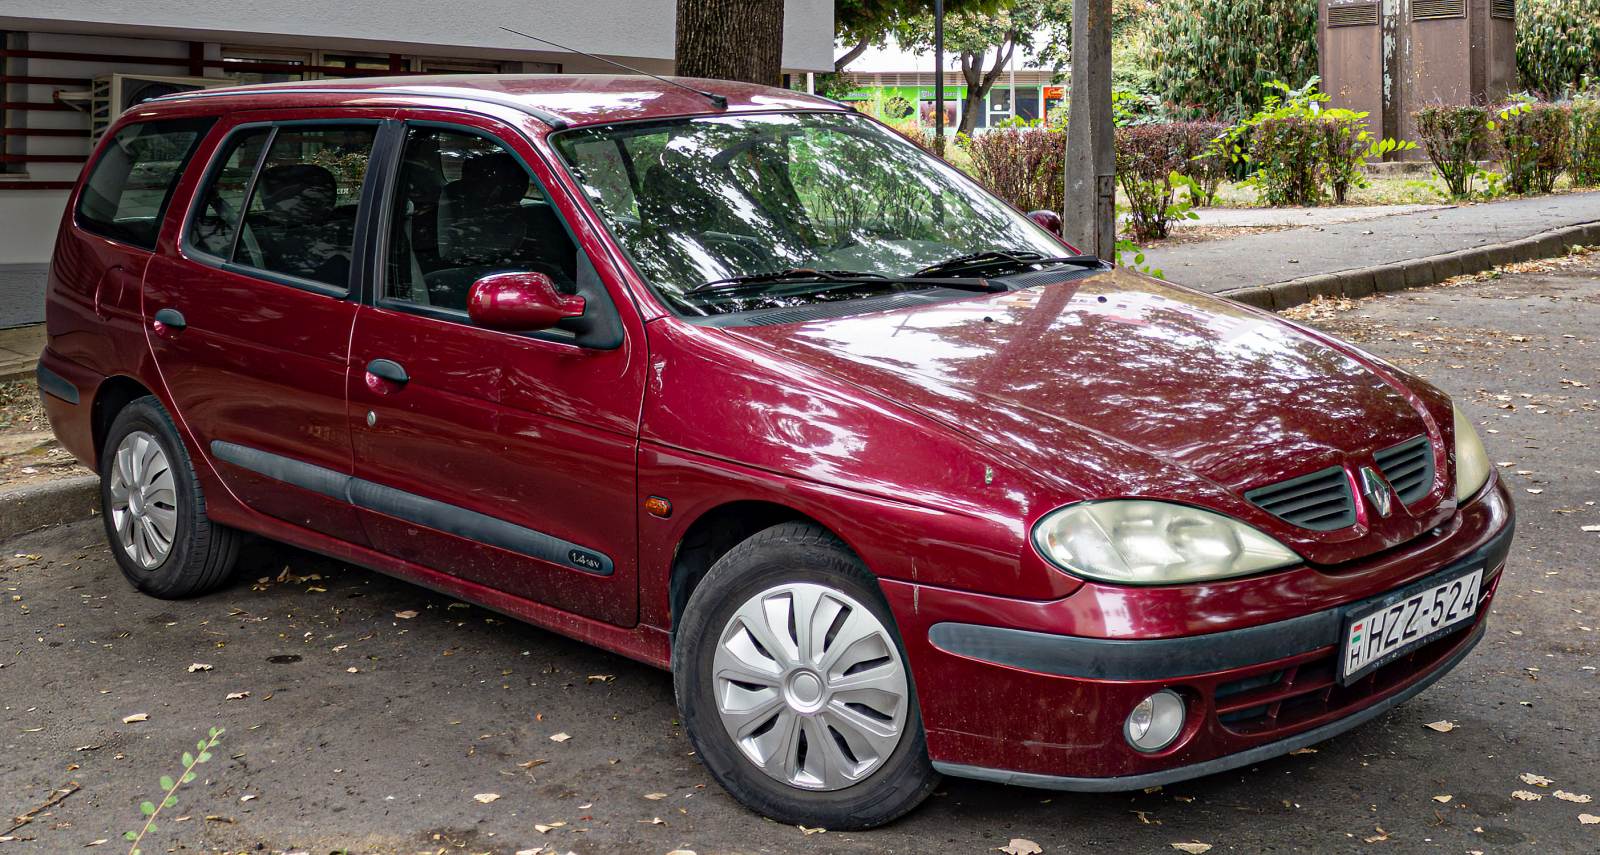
column 716, row 100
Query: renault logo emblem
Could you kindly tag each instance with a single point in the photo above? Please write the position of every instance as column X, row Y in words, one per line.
column 1376, row 491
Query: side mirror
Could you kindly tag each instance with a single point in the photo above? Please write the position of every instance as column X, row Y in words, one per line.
column 1050, row 221
column 520, row 302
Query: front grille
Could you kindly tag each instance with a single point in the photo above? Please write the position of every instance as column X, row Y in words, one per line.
column 1320, row 501
column 1290, row 694
column 1408, row 467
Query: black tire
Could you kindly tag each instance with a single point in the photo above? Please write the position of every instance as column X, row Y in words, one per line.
column 784, row 554
column 202, row 554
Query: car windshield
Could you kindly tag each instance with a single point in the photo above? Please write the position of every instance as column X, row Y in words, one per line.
column 701, row 204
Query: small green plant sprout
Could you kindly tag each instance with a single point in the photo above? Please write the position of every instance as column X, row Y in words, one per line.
column 169, row 787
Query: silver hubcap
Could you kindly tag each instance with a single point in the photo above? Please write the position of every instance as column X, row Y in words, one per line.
column 810, row 686
column 144, row 500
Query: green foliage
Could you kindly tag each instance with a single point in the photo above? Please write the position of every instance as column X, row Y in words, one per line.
column 1533, row 140
column 1300, row 151
column 1558, row 44
column 1025, row 166
column 1455, row 138
column 1213, row 58
column 1584, row 162
column 169, row 788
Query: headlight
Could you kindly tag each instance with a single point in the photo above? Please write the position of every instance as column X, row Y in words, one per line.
column 1140, row 542
column 1472, row 462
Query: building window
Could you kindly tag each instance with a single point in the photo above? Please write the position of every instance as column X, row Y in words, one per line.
column 248, row 65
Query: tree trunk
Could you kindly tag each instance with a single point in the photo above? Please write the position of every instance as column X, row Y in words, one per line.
column 731, row 40
column 850, row 56
column 1089, row 221
column 981, row 82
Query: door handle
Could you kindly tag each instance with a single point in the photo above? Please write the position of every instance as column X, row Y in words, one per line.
column 388, row 369
column 171, row 319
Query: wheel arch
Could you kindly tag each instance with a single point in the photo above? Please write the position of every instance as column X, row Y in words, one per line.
column 110, row 397
column 714, row 533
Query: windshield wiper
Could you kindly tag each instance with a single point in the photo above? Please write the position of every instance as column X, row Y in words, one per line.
column 849, row 277
column 1002, row 258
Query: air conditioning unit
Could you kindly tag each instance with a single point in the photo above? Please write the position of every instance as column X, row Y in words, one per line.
column 115, row 94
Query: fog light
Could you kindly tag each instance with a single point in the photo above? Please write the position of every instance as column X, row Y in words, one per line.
column 1155, row 722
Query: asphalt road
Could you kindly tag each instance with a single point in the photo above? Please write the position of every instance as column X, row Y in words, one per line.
column 366, row 731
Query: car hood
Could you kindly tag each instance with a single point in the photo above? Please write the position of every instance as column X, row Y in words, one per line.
column 1230, row 396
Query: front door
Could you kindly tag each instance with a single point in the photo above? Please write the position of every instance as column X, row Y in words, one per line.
column 506, row 459
column 251, row 318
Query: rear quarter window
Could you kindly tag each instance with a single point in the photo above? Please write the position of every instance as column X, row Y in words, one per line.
column 127, row 189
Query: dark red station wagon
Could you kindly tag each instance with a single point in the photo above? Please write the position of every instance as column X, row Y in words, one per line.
column 742, row 384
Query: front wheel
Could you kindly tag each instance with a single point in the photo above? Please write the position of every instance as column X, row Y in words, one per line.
column 794, row 685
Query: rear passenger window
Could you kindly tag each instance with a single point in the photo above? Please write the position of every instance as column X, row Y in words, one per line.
column 126, row 193
column 293, row 211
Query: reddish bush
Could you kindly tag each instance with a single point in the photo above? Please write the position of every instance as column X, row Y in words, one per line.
column 1148, row 155
column 1024, row 166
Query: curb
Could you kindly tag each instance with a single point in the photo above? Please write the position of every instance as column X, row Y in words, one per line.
column 24, row 509
column 1416, row 273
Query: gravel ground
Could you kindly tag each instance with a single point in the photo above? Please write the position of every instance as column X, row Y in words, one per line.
column 367, row 715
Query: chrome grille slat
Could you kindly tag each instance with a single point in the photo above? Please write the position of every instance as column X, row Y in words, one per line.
column 1320, row 501
column 1408, row 467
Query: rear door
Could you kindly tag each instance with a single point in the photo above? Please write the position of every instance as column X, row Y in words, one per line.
column 503, row 458
column 251, row 314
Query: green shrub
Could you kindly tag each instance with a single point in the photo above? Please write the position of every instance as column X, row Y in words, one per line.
column 1214, row 58
column 1153, row 162
column 1533, row 140
column 1584, row 162
column 1025, row 166
column 1558, row 44
column 1455, row 138
column 1288, row 152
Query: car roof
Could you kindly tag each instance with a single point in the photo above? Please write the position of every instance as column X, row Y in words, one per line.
column 560, row 100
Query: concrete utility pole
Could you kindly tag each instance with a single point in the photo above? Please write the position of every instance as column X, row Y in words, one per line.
column 938, row 76
column 1089, row 221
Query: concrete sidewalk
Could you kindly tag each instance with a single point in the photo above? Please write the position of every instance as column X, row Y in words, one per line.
column 1235, row 264
column 22, row 294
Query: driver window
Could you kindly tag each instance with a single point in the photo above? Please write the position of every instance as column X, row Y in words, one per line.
column 465, row 206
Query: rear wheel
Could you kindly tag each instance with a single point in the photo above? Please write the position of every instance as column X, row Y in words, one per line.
column 154, row 511
column 794, row 686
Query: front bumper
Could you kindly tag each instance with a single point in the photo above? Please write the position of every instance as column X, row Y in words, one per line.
column 1043, row 709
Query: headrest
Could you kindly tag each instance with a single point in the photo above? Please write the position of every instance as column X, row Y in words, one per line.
column 496, row 178
column 298, row 191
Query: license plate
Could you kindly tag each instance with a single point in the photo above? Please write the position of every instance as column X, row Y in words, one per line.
column 1378, row 633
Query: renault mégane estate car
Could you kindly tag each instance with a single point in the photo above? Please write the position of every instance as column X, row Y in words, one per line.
column 736, row 382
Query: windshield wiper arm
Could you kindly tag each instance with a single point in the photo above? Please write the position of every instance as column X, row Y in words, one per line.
column 996, row 257
column 793, row 274
column 804, row 274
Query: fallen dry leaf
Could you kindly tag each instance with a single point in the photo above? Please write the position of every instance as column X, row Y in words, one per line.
column 682, row 852
column 199, row 666
column 1379, row 837
column 1302, row 751
column 532, row 763
column 1444, row 799
column 560, row 737
column 600, row 678
column 1535, row 780
column 1441, row 726
column 1576, row 798
column 1192, row 848
column 547, row 827
column 655, row 797
column 1021, row 846
column 135, row 718
column 486, row 798
column 408, row 614
column 237, row 696
column 1526, row 796
column 101, row 842
column 810, row 831
column 1588, row 818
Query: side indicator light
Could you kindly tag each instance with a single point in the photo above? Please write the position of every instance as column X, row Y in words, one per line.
column 656, row 506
